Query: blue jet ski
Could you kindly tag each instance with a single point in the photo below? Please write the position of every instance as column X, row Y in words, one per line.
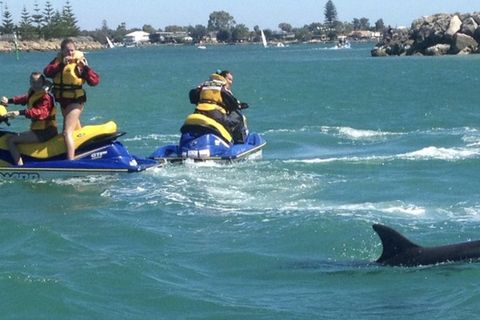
column 203, row 139
column 97, row 152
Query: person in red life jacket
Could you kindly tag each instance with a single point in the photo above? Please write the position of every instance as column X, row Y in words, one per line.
column 40, row 109
column 69, row 71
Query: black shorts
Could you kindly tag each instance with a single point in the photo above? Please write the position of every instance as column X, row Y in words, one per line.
column 65, row 102
column 45, row 134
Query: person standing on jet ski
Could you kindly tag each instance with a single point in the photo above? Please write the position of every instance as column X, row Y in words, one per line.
column 40, row 109
column 214, row 99
column 69, row 71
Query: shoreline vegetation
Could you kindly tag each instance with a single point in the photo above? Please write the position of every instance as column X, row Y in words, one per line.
column 50, row 24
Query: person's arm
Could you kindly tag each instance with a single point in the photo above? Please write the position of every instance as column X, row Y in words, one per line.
column 54, row 67
column 41, row 109
column 231, row 103
column 23, row 99
column 90, row 76
column 194, row 95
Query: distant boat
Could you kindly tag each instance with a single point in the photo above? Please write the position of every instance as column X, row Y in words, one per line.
column 280, row 45
column 110, row 43
column 201, row 47
column 342, row 43
column 264, row 39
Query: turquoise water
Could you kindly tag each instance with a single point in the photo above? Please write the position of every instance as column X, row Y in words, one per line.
column 352, row 141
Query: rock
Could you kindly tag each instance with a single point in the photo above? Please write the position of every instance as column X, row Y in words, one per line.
column 437, row 50
column 379, row 52
column 469, row 26
column 435, row 35
column 476, row 35
column 461, row 42
column 476, row 16
column 454, row 26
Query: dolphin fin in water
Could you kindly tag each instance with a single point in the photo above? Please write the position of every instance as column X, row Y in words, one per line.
column 399, row 251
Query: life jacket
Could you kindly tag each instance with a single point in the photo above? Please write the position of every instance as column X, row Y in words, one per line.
column 67, row 83
column 51, row 120
column 211, row 94
column 3, row 110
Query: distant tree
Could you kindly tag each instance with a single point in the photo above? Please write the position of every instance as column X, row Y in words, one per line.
column 379, row 25
column 8, row 27
column 356, row 24
column 240, row 33
column 364, row 24
column 48, row 13
column 198, row 32
column 120, row 32
column 287, row 27
column 148, row 28
column 25, row 27
column 303, row 34
column 330, row 13
column 224, row 35
column 54, row 29
column 69, row 22
column 174, row 28
column 37, row 19
column 220, row 20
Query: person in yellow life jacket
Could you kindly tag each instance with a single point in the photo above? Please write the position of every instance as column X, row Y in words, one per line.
column 214, row 99
column 69, row 71
column 40, row 109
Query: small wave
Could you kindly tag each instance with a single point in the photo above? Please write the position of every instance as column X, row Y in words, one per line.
column 428, row 153
column 359, row 134
column 435, row 153
column 341, row 159
column 385, row 207
column 280, row 131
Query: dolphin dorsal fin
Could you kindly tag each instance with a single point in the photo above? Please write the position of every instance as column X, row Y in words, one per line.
column 393, row 242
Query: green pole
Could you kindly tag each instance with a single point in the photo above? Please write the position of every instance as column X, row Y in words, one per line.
column 17, row 49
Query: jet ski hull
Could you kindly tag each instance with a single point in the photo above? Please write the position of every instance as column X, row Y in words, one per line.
column 210, row 147
column 98, row 152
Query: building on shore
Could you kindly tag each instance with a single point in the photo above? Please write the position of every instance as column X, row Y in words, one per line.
column 136, row 38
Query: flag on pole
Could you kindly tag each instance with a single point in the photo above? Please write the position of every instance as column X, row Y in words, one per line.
column 17, row 49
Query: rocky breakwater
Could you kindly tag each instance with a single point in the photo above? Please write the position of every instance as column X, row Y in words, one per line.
column 434, row 35
column 83, row 44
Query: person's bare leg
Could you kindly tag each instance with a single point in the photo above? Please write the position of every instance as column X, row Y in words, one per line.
column 12, row 141
column 71, row 121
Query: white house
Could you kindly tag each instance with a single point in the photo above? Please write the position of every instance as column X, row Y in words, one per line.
column 136, row 37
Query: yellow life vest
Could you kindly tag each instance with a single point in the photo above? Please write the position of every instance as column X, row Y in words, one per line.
column 67, row 84
column 3, row 110
column 211, row 94
column 50, row 121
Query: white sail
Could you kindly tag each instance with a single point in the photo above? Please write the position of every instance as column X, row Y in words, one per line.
column 264, row 39
column 110, row 43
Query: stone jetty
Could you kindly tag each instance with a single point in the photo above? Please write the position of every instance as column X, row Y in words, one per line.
column 433, row 35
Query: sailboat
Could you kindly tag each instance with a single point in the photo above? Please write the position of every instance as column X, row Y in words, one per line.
column 264, row 39
column 110, row 43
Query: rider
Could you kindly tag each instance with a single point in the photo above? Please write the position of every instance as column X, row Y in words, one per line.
column 69, row 71
column 40, row 109
column 214, row 99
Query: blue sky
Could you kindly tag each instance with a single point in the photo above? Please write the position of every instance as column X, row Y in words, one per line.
column 265, row 13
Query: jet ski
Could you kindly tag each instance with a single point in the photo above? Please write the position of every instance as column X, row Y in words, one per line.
column 203, row 140
column 97, row 152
